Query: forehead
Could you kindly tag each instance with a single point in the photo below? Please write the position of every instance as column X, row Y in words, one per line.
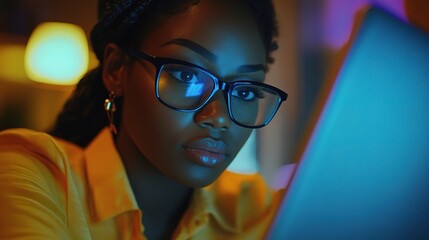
column 224, row 27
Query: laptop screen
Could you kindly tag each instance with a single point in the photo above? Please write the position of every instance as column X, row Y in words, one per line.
column 364, row 171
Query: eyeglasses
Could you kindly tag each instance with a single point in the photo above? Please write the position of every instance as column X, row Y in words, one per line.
column 187, row 87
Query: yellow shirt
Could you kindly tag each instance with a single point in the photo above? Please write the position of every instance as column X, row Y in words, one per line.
column 53, row 189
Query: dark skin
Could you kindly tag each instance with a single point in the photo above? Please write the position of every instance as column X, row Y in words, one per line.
column 160, row 214
column 153, row 139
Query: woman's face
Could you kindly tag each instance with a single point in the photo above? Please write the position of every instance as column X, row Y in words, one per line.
column 193, row 148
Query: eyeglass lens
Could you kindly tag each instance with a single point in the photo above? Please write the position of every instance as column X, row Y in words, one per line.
column 187, row 88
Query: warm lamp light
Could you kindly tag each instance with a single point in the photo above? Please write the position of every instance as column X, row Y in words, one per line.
column 57, row 53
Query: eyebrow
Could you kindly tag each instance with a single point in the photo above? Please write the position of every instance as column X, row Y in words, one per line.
column 245, row 68
column 194, row 47
column 248, row 68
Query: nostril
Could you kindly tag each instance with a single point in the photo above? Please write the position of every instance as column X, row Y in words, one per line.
column 213, row 125
column 207, row 125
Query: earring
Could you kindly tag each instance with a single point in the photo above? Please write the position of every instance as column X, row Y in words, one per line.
column 110, row 107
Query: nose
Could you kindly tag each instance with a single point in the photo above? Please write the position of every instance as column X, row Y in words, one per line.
column 214, row 114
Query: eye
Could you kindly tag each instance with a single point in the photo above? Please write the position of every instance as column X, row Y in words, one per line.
column 183, row 74
column 247, row 93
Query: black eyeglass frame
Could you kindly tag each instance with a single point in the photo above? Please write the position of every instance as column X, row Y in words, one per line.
column 160, row 62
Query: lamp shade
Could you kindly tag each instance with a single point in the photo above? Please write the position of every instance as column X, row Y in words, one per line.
column 57, row 53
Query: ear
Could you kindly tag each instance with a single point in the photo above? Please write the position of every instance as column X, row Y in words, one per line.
column 114, row 68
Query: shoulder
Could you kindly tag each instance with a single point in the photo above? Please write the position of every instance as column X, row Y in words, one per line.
column 26, row 137
column 34, row 185
column 32, row 158
column 29, row 144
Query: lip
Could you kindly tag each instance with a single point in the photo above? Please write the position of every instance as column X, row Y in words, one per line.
column 207, row 152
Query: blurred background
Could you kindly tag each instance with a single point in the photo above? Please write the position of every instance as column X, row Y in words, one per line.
column 312, row 34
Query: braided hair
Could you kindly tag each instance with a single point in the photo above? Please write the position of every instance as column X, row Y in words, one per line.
column 83, row 115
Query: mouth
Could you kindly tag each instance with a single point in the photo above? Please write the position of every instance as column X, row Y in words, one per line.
column 207, row 152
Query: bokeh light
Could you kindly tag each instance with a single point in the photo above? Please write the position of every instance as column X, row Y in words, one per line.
column 57, row 53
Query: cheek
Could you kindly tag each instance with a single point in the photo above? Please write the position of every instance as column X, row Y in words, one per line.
column 152, row 125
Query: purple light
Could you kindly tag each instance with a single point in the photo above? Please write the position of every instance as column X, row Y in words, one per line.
column 340, row 17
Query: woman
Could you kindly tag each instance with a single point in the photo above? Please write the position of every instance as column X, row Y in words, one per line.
column 182, row 86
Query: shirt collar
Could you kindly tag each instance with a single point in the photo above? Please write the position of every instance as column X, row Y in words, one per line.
column 107, row 175
column 230, row 197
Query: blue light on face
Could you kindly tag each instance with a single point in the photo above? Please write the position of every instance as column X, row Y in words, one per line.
column 194, row 89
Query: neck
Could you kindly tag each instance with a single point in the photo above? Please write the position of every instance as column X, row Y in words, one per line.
column 161, row 199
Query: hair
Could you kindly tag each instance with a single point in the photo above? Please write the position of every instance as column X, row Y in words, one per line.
column 83, row 115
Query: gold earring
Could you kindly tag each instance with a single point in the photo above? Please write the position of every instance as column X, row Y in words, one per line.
column 110, row 107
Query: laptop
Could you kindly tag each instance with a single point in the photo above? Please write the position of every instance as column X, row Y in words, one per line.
column 363, row 172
